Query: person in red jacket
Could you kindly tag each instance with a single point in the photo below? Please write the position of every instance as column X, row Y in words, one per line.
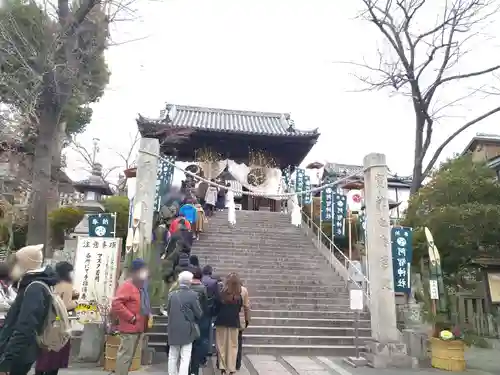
column 177, row 223
column 132, row 308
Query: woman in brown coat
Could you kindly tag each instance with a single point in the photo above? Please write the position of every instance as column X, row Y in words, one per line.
column 49, row 362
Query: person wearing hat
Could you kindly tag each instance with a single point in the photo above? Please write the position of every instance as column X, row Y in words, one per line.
column 28, row 312
column 132, row 308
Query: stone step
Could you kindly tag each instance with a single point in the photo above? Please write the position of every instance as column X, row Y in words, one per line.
column 287, row 300
column 258, row 280
column 262, row 243
column 301, row 340
column 306, row 306
column 333, row 313
column 307, row 322
column 267, row 253
column 283, row 350
column 295, row 294
column 251, row 262
column 268, row 266
column 234, row 257
column 221, row 217
column 271, row 287
column 290, row 330
column 222, row 224
column 254, row 231
column 301, row 350
column 257, row 284
column 158, row 334
column 271, row 273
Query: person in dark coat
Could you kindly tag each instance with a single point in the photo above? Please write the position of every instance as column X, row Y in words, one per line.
column 28, row 313
column 221, row 198
column 181, row 241
column 198, row 353
column 49, row 362
column 212, row 291
column 201, row 192
column 194, row 261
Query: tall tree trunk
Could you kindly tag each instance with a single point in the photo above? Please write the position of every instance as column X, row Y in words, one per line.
column 38, row 225
column 418, row 153
column 54, row 200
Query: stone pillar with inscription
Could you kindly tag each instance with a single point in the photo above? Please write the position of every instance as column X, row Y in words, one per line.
column 147, row 165
column 385, row 349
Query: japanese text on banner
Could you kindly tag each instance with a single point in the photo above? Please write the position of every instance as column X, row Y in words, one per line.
column 402, row 249
column 286, row 178
column 164, row 177
column 327, row 204
column 307, row 186
column 96, row 269
column 299, row 184
column 339, row 215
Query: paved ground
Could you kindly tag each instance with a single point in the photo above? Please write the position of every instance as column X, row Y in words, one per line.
column 481, row 362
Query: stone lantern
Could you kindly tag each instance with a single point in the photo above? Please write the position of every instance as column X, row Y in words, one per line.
column 94, row 189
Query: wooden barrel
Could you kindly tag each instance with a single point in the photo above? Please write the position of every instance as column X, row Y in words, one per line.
column 448, row 355
column 111, row 351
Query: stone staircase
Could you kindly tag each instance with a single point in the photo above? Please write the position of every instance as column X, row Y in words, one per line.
column 299, row 304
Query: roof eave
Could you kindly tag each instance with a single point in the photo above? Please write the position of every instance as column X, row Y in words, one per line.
column 143, row 122
column 476, row 139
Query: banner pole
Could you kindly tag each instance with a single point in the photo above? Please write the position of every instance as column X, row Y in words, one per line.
column 349, row 217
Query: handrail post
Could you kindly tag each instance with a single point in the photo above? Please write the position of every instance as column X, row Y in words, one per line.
column 346, row 262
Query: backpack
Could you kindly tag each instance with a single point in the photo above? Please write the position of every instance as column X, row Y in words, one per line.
column 55, row 333
column 183, row 260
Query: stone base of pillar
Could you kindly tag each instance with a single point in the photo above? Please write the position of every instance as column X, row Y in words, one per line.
column 389, row 355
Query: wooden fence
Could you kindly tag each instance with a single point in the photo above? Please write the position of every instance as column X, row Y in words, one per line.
column 473, row 312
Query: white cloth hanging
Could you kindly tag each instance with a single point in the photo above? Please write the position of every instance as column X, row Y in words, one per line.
column 231, row 208
column 212, row 169
column 296, row 216
column 271, row 185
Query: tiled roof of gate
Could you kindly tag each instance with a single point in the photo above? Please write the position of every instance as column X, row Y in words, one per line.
column 230, row 121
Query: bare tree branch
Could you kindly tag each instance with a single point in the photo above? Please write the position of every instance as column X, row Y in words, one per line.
column 424, row 60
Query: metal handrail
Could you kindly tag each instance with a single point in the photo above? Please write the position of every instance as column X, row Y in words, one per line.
column 365, row 286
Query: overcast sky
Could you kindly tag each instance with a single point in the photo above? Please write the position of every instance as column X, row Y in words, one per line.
column 268, row 55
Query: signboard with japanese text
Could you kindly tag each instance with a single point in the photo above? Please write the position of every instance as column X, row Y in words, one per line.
column 102, row 225
column 339, row 215
column 299, row 184
column 307, row 197
column 96, row 268
column 402, row 249
column 164, row 177
column 327, row 204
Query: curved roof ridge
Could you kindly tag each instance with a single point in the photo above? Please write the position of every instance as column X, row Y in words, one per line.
column 240, row 112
